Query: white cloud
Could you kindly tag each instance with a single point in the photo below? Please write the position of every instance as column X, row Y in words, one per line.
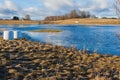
column 8, row 4
column 1, row 15
column 8, row 9
column 56, row 7
column 36, row 12
column 98, row 7
column 58, row 4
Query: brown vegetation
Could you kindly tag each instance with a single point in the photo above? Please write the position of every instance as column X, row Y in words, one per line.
column 67, row 21
column 71, row 15
column 46, row 30
column 18, row 22
column 88, row 21
column 26, row 60
column 1, row 38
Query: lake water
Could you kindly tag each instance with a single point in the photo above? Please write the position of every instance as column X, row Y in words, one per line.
column 104, row 39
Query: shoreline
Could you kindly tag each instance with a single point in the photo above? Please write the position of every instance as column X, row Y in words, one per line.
column 84, row 21
column 47, row 30
column 24, row 59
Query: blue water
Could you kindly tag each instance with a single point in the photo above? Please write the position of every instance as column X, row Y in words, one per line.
column 104, row 39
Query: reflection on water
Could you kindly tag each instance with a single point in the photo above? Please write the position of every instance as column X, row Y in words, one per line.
column 104, row 39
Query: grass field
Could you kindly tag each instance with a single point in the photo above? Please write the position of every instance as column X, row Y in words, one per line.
column 18, row 22
column 88, row 21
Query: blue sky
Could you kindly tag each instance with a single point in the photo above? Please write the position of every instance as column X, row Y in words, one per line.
column 39, row 9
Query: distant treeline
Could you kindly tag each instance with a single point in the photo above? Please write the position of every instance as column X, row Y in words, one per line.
column 72, row 14
column 27, row 17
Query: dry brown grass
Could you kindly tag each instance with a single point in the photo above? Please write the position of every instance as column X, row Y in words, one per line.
column 89, row 21
column 46, row 30
column 18, row 22
column 39, row 61
column 1, row 38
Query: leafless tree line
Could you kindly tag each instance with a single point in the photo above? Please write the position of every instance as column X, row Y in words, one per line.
column 72, row 14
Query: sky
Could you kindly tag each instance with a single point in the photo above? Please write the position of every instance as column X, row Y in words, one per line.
column 39, row 9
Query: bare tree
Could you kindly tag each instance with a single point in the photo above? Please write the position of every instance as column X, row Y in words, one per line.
column 117, row 7
column 73, row 14
column 27, row 17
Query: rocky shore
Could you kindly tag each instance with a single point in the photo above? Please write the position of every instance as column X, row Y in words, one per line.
column 27, row 60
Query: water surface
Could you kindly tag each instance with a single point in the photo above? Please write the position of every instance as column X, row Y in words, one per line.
column 104, row 39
